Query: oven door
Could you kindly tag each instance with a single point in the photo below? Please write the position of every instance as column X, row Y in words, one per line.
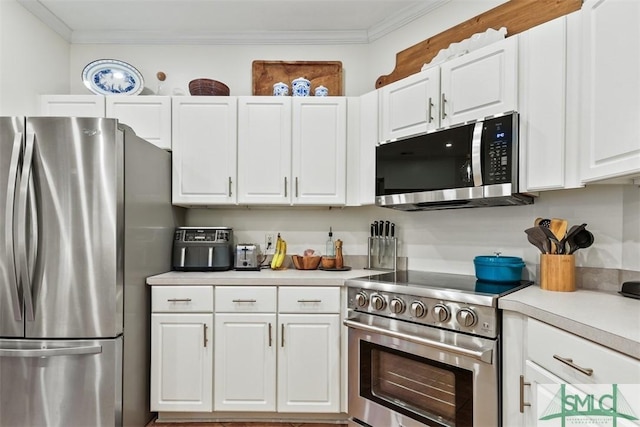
column 407, row 375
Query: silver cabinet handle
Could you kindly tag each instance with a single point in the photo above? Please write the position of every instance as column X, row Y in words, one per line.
column 282, row 335
column 296, row 186
column 179, row 299
column 244, row 300
column 429, row 112
column 285, row 186
column 443, row 103
column 9, row 226
column 50, row 352
column 569, row 362
column 205, row 335
column 309, row 300
column 270, row 336
column 522, row 402
column 230, row 183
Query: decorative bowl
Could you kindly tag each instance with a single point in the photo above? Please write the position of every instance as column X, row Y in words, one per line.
column 306, row 262
column 208, row 87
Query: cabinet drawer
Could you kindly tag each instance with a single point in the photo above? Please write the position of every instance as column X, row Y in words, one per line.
column 308, row 300
column 246, row 299
column 182, row 299
column 609, row 367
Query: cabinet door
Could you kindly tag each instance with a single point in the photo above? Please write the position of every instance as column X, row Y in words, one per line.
column 611, row 91
column 361, row 148
column 319, row 151
column 245, row 363
column 148, row 116
column 309, row 363
column 204, row 150
column 548, row 102
column 264, row 150
column 479, row 84
column 411, row 105
column 72, row 105
column 537, row 388
column 181, row 362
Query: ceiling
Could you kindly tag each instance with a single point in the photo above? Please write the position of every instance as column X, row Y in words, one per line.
column 227, row 21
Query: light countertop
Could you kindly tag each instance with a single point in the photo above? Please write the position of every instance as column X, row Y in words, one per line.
column 264, row 277
column 606, row 318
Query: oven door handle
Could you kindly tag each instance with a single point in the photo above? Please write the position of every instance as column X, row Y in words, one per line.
column 485, row 355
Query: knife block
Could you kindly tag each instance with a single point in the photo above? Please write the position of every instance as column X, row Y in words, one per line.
column 382, row 253
column 558, row 272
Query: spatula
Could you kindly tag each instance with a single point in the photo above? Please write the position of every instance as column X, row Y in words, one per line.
column 537, row 238
column 559, row 228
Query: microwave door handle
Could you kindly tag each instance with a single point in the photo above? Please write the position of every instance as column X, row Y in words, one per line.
column 16, row 153
column 23, row 197
column 476, row 154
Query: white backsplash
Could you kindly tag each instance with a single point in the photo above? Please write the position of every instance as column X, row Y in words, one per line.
column 448, row 240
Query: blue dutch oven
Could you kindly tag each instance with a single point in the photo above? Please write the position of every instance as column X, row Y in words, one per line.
column 498, row 268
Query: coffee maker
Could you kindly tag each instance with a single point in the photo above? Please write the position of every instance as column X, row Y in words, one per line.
column 203, row 249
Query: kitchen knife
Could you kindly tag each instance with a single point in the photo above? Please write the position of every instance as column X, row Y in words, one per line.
column 375, row 243
column 386, row 238
column 373, row 234
column 380, row 243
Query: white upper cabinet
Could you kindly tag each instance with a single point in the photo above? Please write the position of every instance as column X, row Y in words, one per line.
column 204, row 150
column 479, row 84
column 549, row 104
column 292, row 150
column 72, row 105
column 611, row 89
column 264, row 150
column 148, row 116
column 361, row 148
column 410, row 106
column 319, row 150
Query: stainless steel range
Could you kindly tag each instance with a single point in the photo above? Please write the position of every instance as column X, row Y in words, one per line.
column 424, row 349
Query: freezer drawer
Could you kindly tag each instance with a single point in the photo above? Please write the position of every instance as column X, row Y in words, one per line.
column 61, row 383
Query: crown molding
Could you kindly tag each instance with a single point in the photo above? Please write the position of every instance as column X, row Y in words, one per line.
column 376, row 31
column 221, row 37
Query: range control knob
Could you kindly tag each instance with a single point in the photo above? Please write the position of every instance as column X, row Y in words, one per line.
column 441, row 313
column 397, row 306
column 418, row 309
column 378, row 302
column 466, row 317
column 361, row 299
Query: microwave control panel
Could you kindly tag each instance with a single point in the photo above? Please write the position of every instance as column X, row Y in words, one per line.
column 498, row 144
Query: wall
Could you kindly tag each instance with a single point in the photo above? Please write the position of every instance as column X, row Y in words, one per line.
column 33, row 59
column 448, row 240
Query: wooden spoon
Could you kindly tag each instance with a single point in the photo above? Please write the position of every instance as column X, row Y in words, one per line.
column 559, row 228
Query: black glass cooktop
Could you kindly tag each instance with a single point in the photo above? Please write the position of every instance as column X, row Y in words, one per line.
column 444, row 281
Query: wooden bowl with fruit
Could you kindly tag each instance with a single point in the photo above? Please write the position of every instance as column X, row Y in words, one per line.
column 309, row 261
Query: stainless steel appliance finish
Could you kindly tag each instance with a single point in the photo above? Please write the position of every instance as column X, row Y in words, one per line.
column 464, row 166
column 247, row 255
column 203, row 249
column 87, row 216
column 424, row 349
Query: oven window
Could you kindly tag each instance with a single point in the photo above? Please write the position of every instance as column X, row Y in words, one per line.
column 428, row 391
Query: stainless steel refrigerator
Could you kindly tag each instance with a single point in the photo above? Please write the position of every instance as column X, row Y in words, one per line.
column 85, row 217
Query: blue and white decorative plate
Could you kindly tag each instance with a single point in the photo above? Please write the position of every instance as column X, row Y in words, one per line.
column 112, row 77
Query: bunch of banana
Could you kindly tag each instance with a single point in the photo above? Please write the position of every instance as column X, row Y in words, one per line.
column 280, row 254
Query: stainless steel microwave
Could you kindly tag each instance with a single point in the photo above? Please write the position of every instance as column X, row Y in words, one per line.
column 470, row 165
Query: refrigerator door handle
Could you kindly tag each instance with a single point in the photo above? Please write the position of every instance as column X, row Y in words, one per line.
column 22, row 227
column 16, row 153
column 51, row 352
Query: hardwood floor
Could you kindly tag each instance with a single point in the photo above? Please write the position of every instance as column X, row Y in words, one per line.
column 242, row 424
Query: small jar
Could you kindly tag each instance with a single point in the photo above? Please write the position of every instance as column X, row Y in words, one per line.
column 321, row 91
column 280, row 89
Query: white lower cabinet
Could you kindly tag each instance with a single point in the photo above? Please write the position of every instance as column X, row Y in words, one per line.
column 284, row 361
column 309, row 363
column 245, row 378
column 539, row 358
column 182, row 349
